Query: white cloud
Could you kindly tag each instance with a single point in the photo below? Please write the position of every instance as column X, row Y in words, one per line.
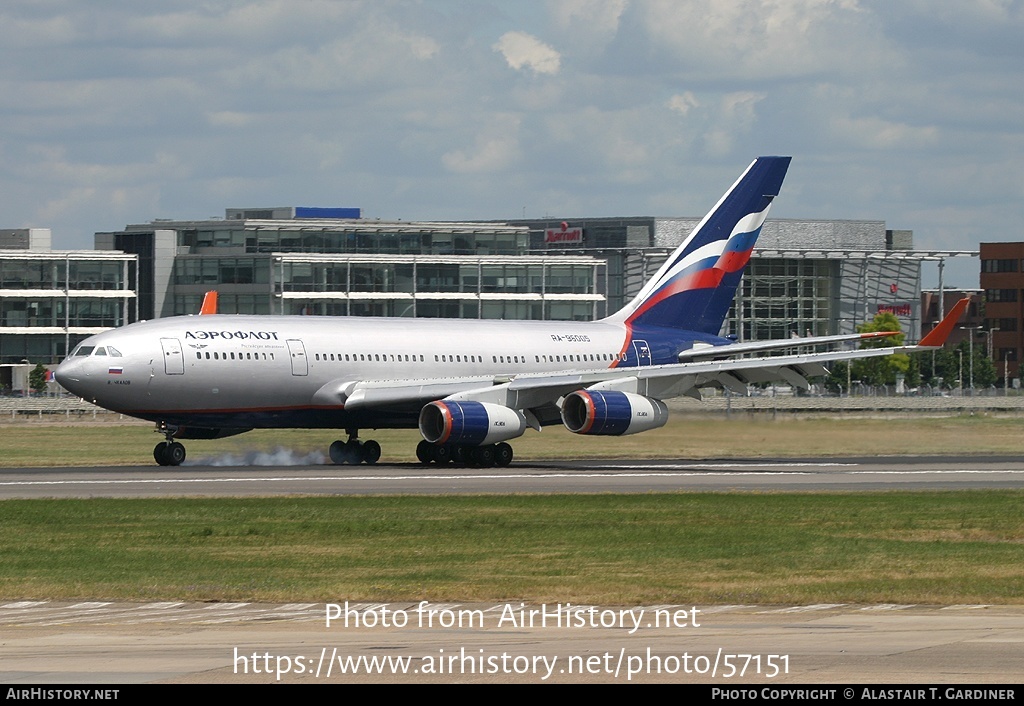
column 594, row 19
column 682, row 103
column 524, row 51
column 494, row 149
column 879, row 134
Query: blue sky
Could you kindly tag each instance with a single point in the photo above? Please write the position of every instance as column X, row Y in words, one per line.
column 119, row 112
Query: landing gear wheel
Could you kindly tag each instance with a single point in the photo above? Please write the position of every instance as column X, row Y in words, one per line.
column 337, row 452
column 371, row 452
column 160, row 454
column 425, row 452
column 442, row 453
column 460, row 454
column 483, row 456
column 354, row 452
column 175, row 453
column 502, row 454
column 169, row 454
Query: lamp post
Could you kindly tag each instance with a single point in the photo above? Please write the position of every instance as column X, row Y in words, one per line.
column 971, row 329
column 960, row 378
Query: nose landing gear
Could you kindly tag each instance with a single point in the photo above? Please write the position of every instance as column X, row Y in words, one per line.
column 168, row 452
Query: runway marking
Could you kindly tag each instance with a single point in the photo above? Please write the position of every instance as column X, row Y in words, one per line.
column 514, row 476
column 726, row 608
column 23, row 604
column 38, row 613
column 805, row 608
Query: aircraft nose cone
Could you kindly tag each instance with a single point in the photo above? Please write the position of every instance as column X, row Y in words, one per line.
column 68, row 375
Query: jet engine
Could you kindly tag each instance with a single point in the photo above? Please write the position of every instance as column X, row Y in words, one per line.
column 471, row 423
column 611, row 413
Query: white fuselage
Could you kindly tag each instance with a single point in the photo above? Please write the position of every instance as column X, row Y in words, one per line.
column 256, row 371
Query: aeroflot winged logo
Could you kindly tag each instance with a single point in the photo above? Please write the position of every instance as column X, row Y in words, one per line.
column 233, row 335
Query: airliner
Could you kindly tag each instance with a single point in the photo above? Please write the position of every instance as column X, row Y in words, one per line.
column 469, row 386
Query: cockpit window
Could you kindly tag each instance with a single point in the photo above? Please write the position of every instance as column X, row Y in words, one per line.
column 113, row 352
column 100, row 351
column 84, row 350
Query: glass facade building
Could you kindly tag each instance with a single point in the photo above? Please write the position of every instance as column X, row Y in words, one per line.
column 52, row 300
column 357, row 267
column 807, row 277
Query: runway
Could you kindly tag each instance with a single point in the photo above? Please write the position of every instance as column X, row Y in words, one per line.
column 594, row 476
column 97, row 642
column 763, row 646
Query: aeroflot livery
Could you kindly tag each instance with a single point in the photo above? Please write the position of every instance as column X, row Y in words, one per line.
column 468, row 385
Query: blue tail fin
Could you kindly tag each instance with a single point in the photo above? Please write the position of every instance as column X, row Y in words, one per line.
column 696, row 285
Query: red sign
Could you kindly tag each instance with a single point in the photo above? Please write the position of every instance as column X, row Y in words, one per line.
column 897, row 309
column 565, row 234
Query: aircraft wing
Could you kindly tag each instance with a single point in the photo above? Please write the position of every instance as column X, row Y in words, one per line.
column 537, row 390
column 709, row 352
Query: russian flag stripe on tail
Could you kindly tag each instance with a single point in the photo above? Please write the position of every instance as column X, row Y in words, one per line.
column 695, row 287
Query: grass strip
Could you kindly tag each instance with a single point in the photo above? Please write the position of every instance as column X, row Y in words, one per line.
column 911, row 547
column 685, row 436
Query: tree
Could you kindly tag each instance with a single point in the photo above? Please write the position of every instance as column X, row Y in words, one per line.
column 882, row 370
column 37, row 378
column 945, row 364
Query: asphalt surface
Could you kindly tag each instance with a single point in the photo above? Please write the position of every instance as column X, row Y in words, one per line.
column 592, row 476
column 728, row 646
column 99, row 642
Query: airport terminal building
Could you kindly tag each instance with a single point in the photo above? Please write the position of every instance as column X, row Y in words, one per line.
column 807, row 277
column 50, row 300
column 326, row 262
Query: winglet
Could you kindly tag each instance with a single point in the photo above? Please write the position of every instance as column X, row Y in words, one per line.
column 938, row 335
column 209, row 303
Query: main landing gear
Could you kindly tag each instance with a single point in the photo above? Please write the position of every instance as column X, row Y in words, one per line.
column 354, row 451
column 169, row 452
column 483, row 456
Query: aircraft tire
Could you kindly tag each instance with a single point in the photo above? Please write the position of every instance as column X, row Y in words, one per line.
column 160, row 454
column 175, row 453
column 502, row 454
column 354, row 452
column 483, row 456
column 337, row 452
column 371, row 452
column 425, row 452
column 460, row 454
column 442, row 453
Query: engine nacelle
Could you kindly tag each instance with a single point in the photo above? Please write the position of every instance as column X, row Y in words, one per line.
column 611, row 413
column 472, row 423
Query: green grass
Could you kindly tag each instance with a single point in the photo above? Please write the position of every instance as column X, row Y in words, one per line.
column 685, row 436
column 920, row 547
